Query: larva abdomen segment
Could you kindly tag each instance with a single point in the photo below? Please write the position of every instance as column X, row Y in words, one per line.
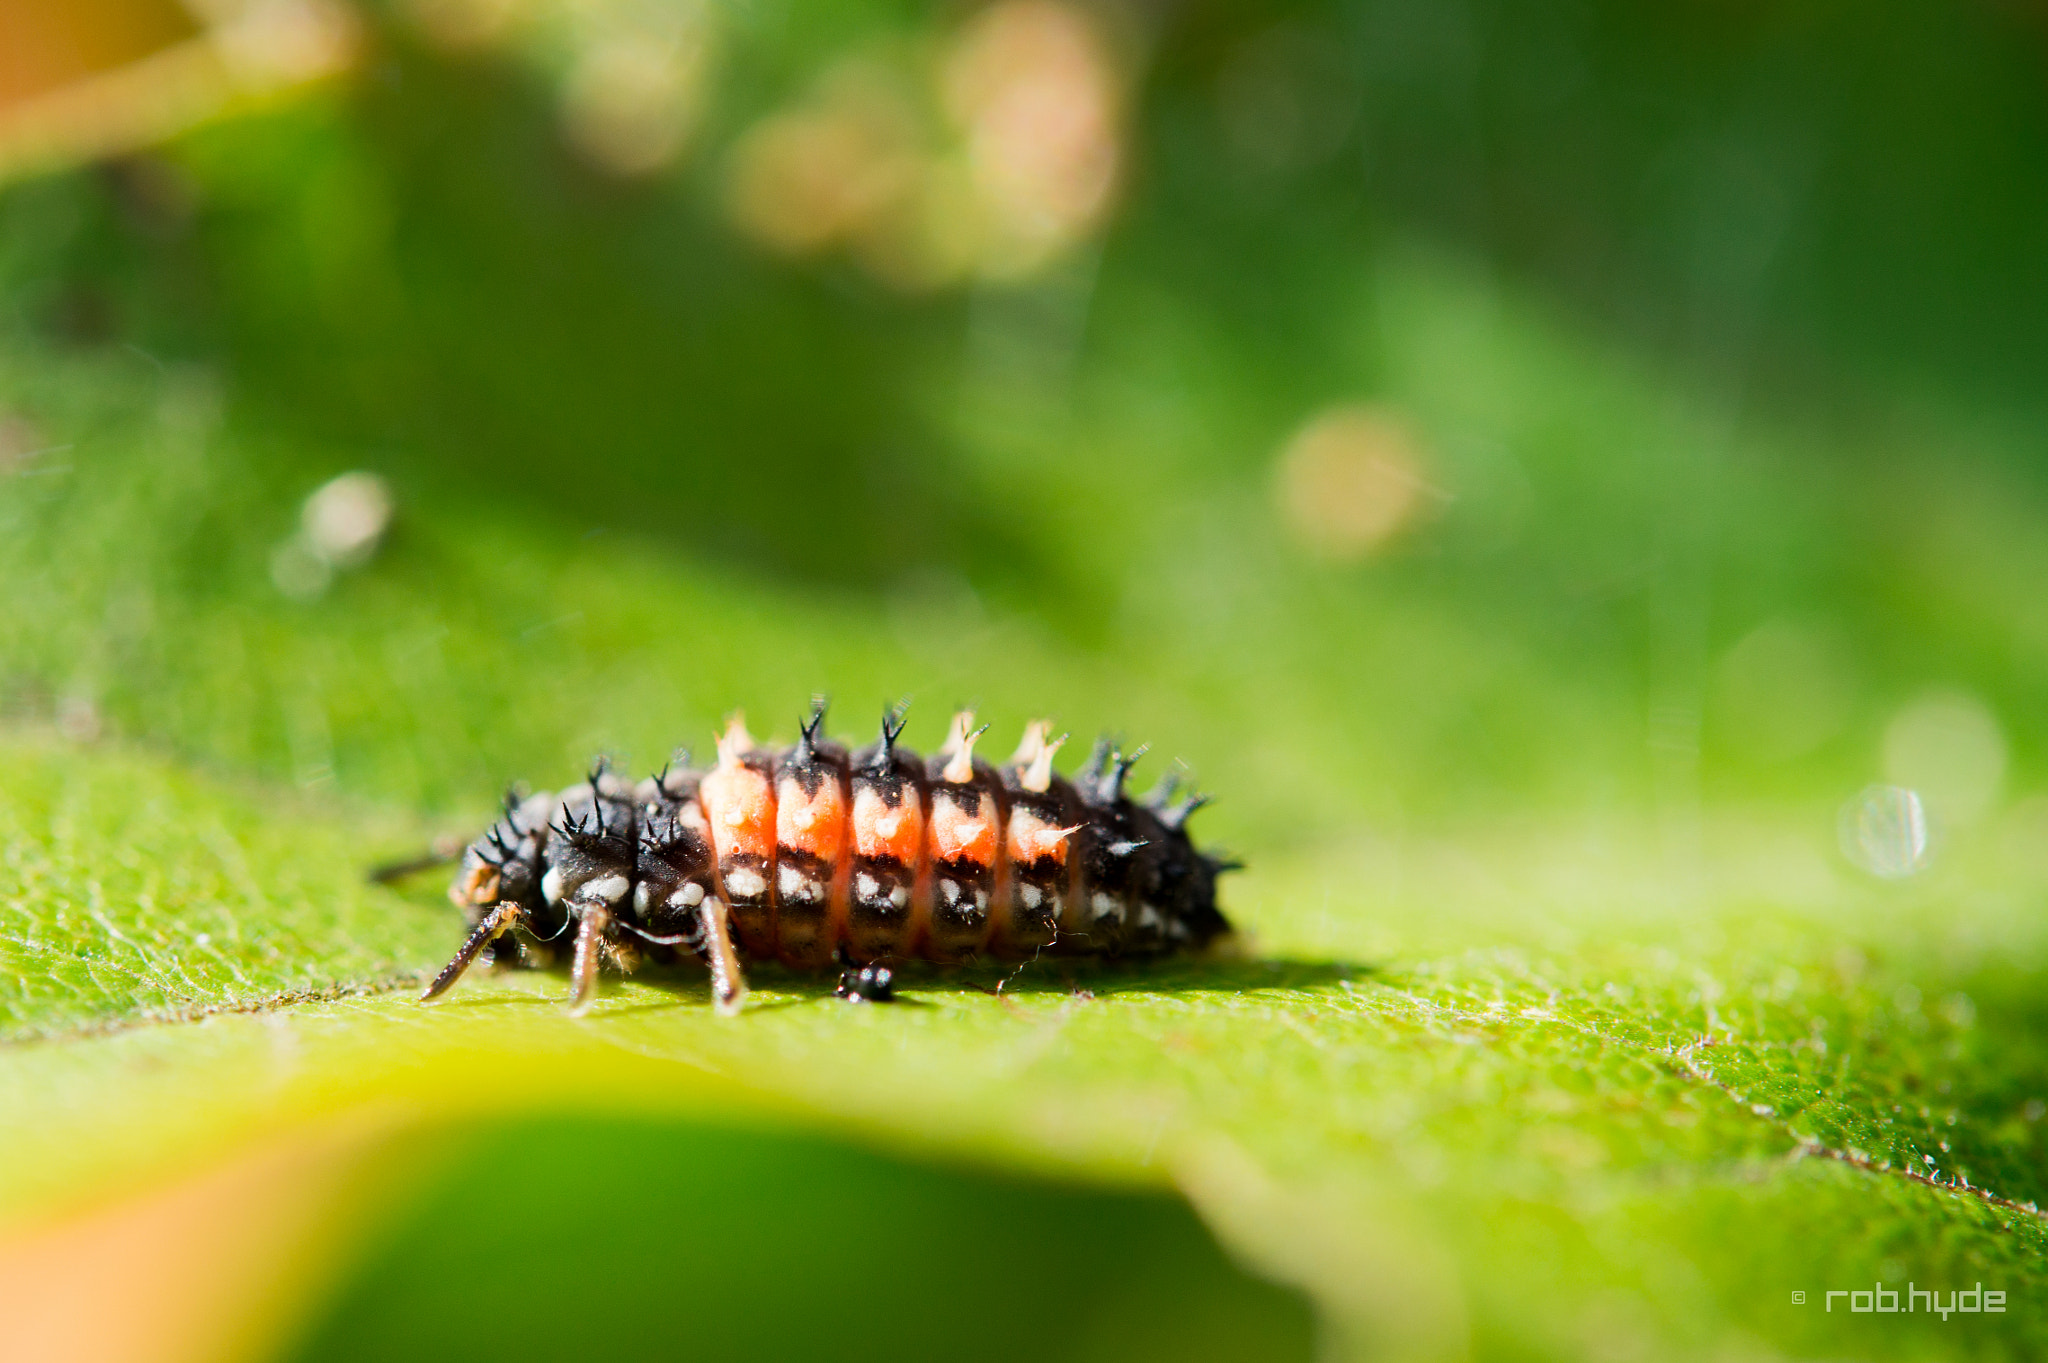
column 965, row 847
column 738, row 796
column 1038, row 864
column 815, row 857
column 885, row 850
column 813, row 802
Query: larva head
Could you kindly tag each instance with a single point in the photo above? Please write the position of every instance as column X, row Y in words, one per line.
column 477, row 885
column 504, row 864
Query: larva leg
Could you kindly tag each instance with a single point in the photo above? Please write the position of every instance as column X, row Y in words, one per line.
column 488, row 929
column 728, row 985
column 594, row 919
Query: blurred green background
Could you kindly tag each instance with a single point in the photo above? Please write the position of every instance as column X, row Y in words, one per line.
column 1554, row 431
column 1687, row 325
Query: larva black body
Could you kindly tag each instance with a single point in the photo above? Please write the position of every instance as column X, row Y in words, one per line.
column 821, row 857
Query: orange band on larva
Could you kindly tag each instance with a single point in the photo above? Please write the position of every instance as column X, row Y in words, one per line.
column 740, row 807
column 811, row 823
column 957, row 835
column 884, row 830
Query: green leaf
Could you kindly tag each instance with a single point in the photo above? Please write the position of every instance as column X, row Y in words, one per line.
column 1510, row 1064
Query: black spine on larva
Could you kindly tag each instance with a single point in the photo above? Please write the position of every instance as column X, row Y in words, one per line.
column 814, row 759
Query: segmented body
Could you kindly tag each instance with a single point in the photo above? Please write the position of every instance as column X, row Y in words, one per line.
column 817, row 856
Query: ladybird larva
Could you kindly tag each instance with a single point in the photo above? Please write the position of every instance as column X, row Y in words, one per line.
column 819, row 857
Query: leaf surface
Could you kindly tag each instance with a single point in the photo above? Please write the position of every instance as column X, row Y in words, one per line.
column 1483, row 1082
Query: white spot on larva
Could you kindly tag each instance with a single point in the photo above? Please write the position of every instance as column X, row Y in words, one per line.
column 887, row 824
column 735, row 816
column 1148, row 917
column 1105, row 906
column 611, row 889
column 980, row 898
column 791, row 880
column 746, row 884
column 551, row 885
column 643, row 898
column 866, row 886
column 1030, row 896
column 899, row 896
column 691, row 895
column 804, row 819
column 1175, row 928
column 950, row 889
